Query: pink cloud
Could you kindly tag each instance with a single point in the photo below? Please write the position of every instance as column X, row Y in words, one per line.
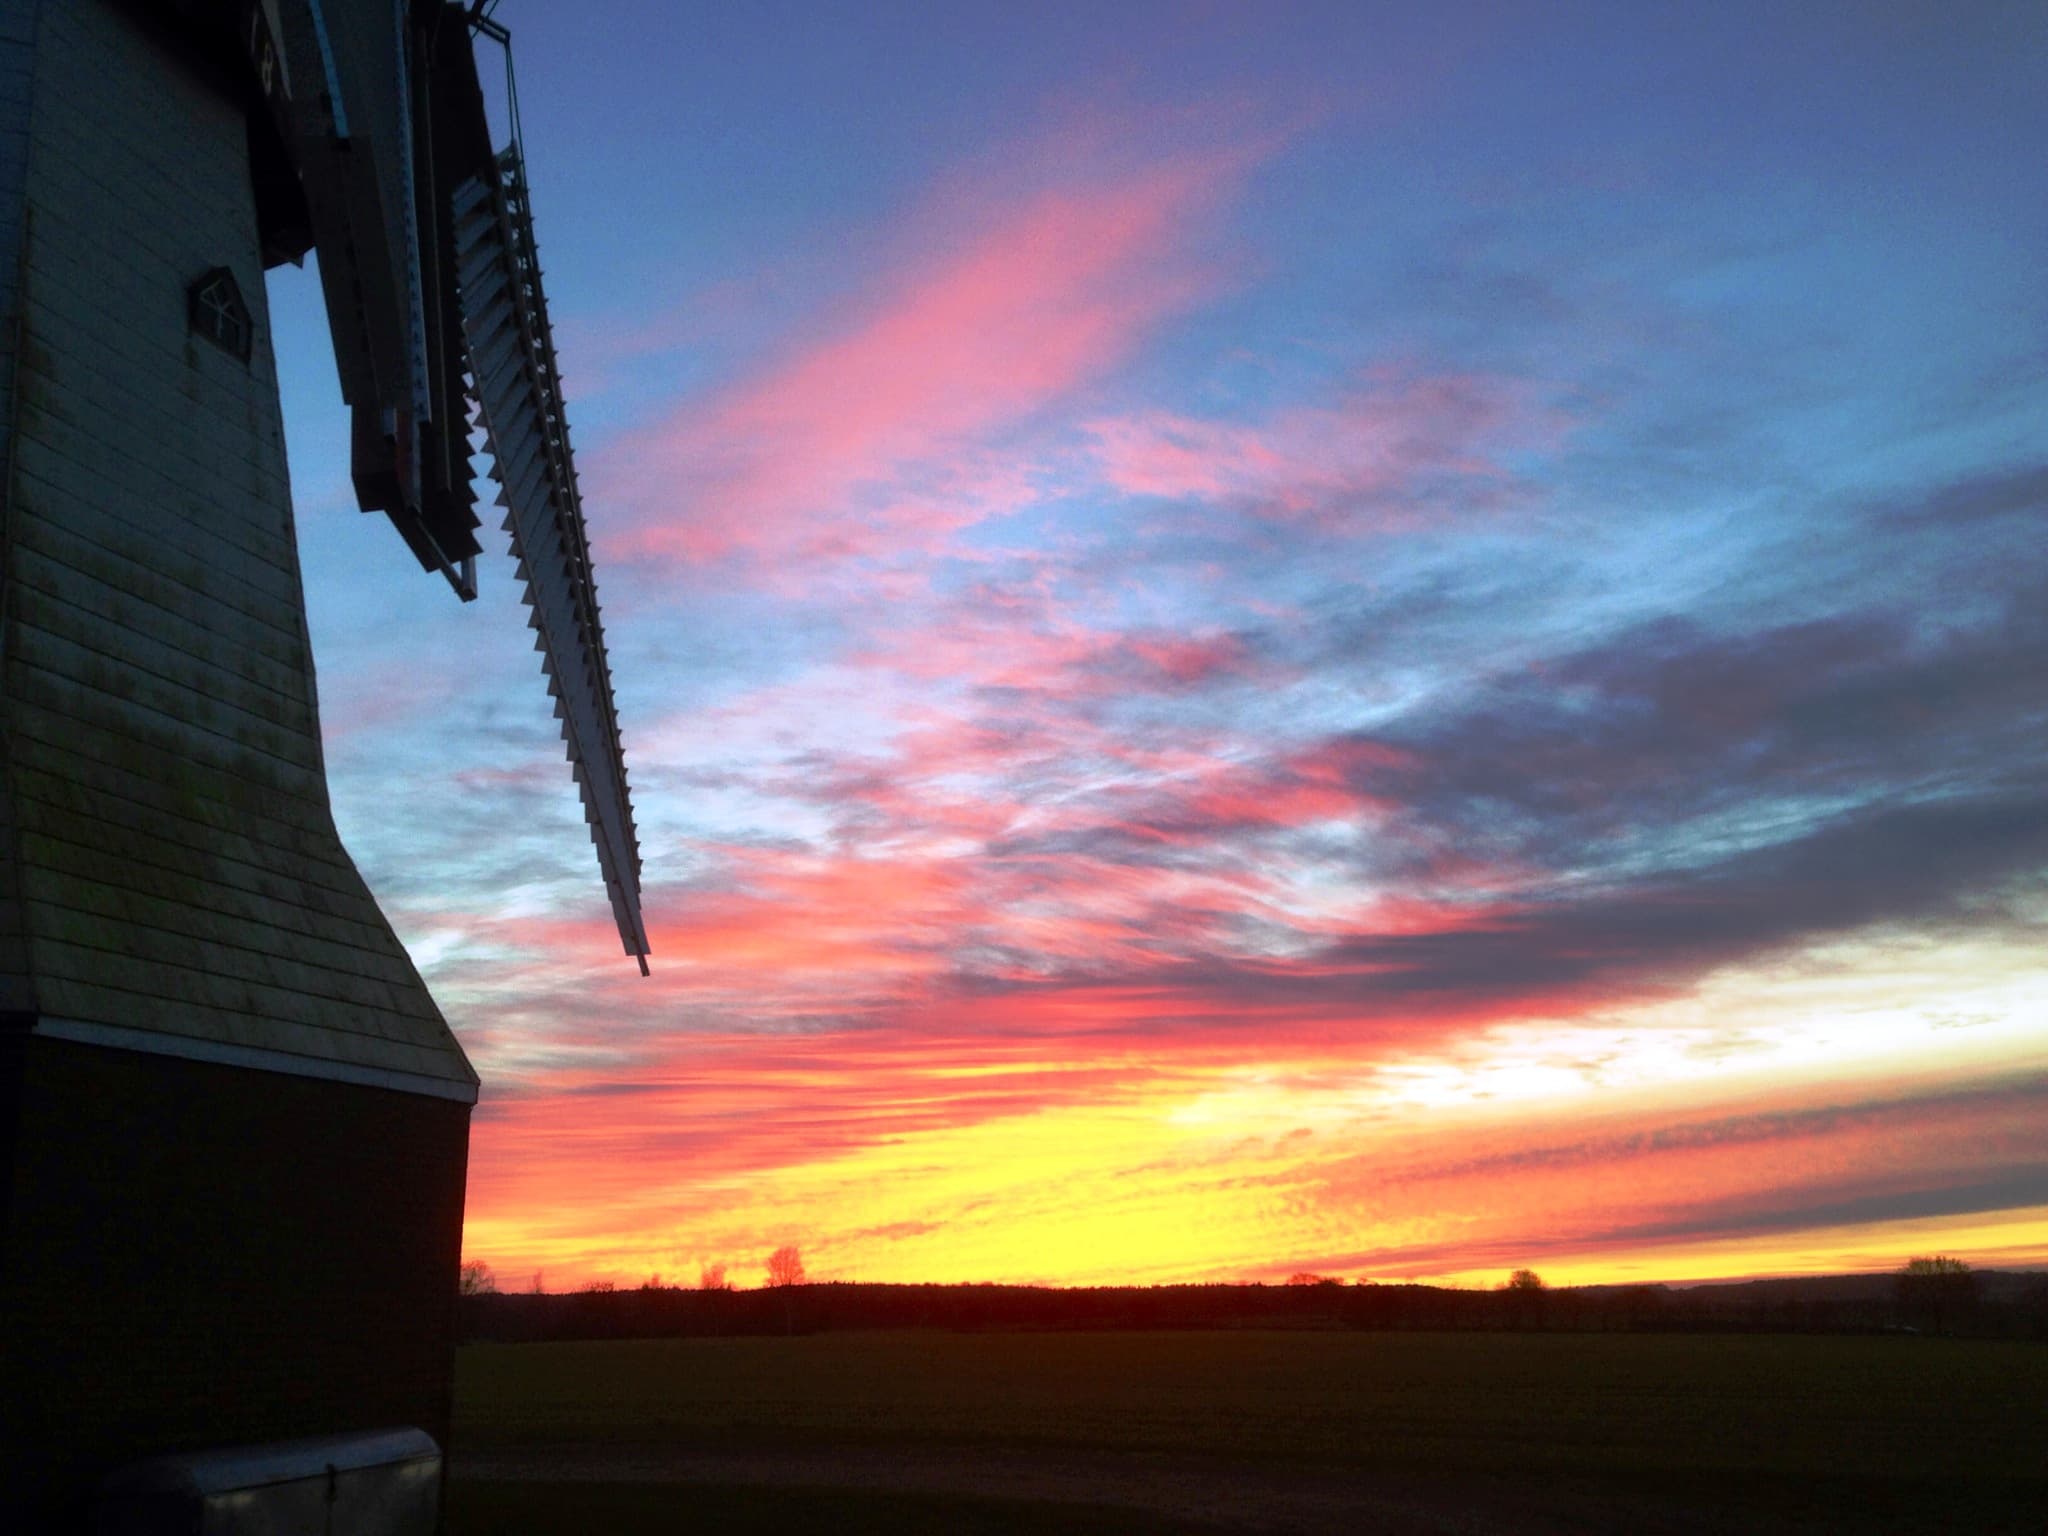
column 866, row 435
column 989, row 642
column 1185, row 659
column 381, row 697
column 1317, row 463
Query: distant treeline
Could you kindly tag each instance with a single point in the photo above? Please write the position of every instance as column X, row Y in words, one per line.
column 1993, row 1304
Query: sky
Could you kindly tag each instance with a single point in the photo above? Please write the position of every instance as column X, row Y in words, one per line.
column 1398, row 641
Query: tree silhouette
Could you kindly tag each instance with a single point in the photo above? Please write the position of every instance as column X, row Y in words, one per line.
column 1938, row 1264
column 711, row 1277
column 1935, row 1292
column 1526, row 1295
column 786, row 1266
column 475, row 1279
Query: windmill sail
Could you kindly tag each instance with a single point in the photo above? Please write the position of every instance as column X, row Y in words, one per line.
column 374, row 122
column 512, row 362
column 433, row 288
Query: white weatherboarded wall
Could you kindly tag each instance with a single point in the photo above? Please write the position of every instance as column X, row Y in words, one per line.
column 177, row 884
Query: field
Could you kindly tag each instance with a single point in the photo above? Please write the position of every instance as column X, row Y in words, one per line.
column 1267, row 1431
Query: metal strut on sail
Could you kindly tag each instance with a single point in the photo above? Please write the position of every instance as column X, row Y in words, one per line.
column 518, row 393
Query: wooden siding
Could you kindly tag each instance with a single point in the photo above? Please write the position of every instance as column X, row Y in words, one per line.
column 163, row 806
column 17, row 79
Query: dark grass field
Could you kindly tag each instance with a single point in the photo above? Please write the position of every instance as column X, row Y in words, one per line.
column 1308, row 1431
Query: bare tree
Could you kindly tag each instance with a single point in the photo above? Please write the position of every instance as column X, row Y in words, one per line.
column 786, row 1266
column 711, row 1277
column 1936, row 1292
column 1937, row 1264
column 1526, row 1296
column 475, row 1279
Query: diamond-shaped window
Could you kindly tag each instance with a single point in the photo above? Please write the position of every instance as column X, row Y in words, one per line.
column 218, row 313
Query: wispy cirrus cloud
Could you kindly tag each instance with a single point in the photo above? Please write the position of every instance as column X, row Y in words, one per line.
column 1691, row 1174
column 1371, row 459
column 864, row 431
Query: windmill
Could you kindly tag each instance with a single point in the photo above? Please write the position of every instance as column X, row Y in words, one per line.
column 234, row 1122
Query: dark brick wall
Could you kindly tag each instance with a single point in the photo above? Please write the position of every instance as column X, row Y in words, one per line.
column 198, row 1255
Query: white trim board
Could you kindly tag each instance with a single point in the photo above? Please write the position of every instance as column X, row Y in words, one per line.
column 256, row 1058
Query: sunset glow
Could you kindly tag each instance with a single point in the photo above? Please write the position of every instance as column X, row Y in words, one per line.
column 1337, row 641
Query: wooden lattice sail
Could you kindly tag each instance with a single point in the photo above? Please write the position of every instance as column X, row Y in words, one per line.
column 414, row 204
column 518, row 392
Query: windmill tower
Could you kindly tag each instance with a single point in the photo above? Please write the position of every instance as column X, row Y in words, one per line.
column 233, row 1123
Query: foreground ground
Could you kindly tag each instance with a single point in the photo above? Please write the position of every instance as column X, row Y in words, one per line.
column 1307, row 1432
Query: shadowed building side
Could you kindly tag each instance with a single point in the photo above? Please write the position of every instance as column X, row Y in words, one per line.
column 234, row 1122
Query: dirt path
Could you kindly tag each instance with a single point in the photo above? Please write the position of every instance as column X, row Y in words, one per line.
column 1203, row 1495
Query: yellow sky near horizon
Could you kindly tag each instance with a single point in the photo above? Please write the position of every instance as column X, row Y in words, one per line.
column 1782, row 1120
